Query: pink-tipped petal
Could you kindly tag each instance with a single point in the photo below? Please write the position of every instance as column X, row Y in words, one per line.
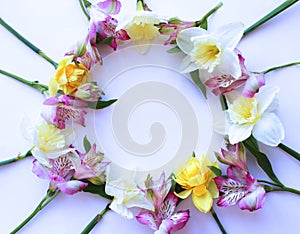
column 253, row 84
column 254, row 200
column 71, row 187
column 110, row 7
column 147, row 218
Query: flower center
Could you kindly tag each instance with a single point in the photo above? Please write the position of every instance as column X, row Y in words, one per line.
column 244, row 110
column 142, row 29
column 206, row 54
column 50, row 138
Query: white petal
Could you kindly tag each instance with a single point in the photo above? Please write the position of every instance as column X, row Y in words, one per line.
column 184, row 38
column 230, row 34
column 267, row 99
column 230, row 64
column 269, row 130
column 238, row 133
column 187, row 65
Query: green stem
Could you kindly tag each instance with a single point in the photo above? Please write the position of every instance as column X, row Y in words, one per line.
column 95, row 220
column 44, row 202
column 278, row 67
column 15, row 159
column 283, row 189
column 28, row 43
column 218, row 221
column 270, row 15
column 290, row 151
column 213, row 10
column 83, row 8
column 270, row 183
column 223, row 102
column 33, row 84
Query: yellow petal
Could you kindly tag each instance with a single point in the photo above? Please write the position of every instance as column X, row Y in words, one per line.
column 53, row 87
column 204, row 202
column 213, row 189
column 184, row 194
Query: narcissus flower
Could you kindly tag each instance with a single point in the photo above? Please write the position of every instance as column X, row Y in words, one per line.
column 51, row 142
column 255, row 115
column 197, row 179
column 126, row 196
column 212, row 52
column 69, row 76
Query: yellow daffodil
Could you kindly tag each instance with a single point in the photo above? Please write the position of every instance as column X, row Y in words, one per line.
column 197, row 179
column 69, row 76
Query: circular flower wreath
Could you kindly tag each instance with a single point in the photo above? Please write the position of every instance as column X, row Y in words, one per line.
column 212, row 59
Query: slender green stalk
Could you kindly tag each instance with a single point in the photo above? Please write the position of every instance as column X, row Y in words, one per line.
column 218, row 221
column 270, row 183
column 290, row 151
column 28, row 43
column 33, row 84
column 83, row 8
column 205, row 17
column 44, row 202
column 278, row 67
column 95, row 220
column 282, row 189
column 223, row 102
column 15, row 159
column 270, row 15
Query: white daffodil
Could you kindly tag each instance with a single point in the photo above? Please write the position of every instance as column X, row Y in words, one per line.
column 255, row 115
column 126, row 195
column 212, row 52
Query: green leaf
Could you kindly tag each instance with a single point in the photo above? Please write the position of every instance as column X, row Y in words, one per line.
column 261, row 158
column 101, row 104
column 204, row 24
column 198, row 82
column 215, row 170
column 86, row 144
column 97, row 189
column 174, row 50
column 107, row 41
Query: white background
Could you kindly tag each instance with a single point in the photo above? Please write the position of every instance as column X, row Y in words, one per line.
column 54, row 26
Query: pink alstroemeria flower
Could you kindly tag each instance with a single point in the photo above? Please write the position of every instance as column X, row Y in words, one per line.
column 173, row 27
column 89, row 92
column 156, row 191
column 64, row 108
column 108, row 7
column 86, row 53
column 60, row 174
column 240, row 188
column 164, row 220
column 226, row 83
column 91, row 166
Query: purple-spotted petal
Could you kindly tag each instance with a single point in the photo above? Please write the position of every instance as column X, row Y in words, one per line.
column 71, row 187
column 147, row 218
column 232, row 191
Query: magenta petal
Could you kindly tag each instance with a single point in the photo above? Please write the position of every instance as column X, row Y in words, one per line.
column 110, row 7
column 180, row 219
column 254, row 200
column 147, row 218
column 253, row 84
column 72, row 186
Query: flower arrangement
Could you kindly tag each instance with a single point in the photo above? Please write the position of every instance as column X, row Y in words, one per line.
column 215, row 65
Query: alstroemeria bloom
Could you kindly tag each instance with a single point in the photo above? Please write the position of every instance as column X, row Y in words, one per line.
column 90, row 166
column 69, row 76
column 197, row 179
column 59, row 172
column 226, row 83
column 86, row 53
column 51, row 142
column 64, row 108
column 255, row 115
column 233, row 155
column 89, row 92
column 173, row 27
column 240, row 188
column 107, row 7
column 126, row 196
column 164, row 219
column 156, row 191
column 142, row 30
column 212, row 52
